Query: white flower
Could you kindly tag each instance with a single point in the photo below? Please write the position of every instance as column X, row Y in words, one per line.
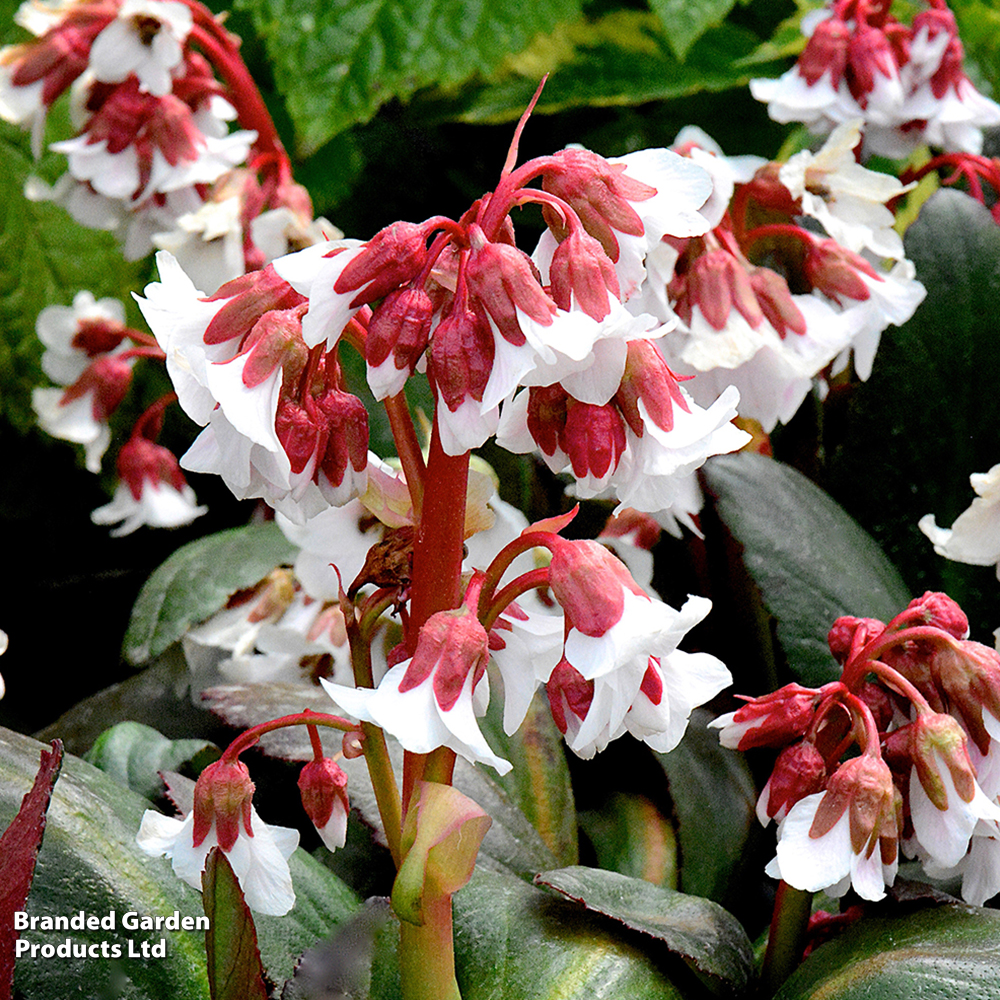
column 160, row 505
column 975, row 535
column 73, row 420
column 64, row 361
column 146, row 38
column 828, row 862
column 260, row 862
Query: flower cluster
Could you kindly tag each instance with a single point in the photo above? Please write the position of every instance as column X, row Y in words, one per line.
column 921, row 703
column 905, row 82
column 766, row 300
column 153, row 158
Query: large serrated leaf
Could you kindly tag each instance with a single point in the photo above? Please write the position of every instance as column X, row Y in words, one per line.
column 623, row 58
column 714, row 798
column 710, row 939
column 133, row 755
column 90, row 861
column 946, row 953
column 197, row 580
column 686, row 21
column 515, row 941
column 337, row 63
column 810, row 561
column 926, row 419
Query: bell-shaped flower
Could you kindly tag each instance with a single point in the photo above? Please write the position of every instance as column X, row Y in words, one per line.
column 772, row 720
column 152, row 491
column 323, row 787
column 844, row 837
column 800, row 770
column 224, row 817
column 429, row 700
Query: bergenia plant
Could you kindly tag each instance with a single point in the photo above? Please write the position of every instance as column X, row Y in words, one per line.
column 522, row 487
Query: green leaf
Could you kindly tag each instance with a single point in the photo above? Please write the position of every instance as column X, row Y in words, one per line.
column 707, row 937
column 45, row 259
column 337, row 63
column 948, row 952
column 714, row 800
column 234, row 968
column 630, row 835
column 539, row 784
column 513, row 940
column 926, row 419
column 686, row 21
column 133, row 754
column 197, row 580
column 810, row 561
column 90, row 861
column 623, row 58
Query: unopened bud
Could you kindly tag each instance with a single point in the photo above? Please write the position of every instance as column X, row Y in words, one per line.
column 800, row 770
column 835, row 271
column 776, row 302
column 223, row 795
column 323, row 787
column 582, row 271
column 392, row 257
column 718, row 283
column 825, row 52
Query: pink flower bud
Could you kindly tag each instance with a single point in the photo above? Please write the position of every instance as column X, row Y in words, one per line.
column 826, row 51
column 718, row 283
column 968, row 676
column 275, row 341
column 581, row 270
column 248, row 297
column 836, row 271
column 864, row 786
column 392, row 257
column 869, row 55
column 323, row 787
column 347, row 443
column 461, row 356
column 648, row 378
column 142, row 461
column 599, row 192
column 570, row 697
column 772, row 720
column 800, row 770
column 504, row 279
column 450, row 645
column 776, row 302
column 593, row 438
column 942, row 612
column 547, row 406
column 223, row 796
column 109, row 377
column 849, row 634
column 399, row 326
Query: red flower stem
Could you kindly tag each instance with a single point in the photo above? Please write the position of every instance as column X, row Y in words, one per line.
column 150, row 423
column 496, row 569
column 531, row 580
column 779, row 229
column 152, row 351
column 245, row 97
column 895, row 680
column 407, row 448
column 317, row 745
column 307, row 718
column 858, row 665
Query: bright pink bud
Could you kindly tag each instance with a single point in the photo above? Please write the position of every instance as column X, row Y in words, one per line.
column 450, row 645
column 581, row 269
column 593, row 438
column 109, row 377
column 347, row 420
column 460, row 358
column 869, row 54
column 249, row 297
column 323, row 787
column 800, row 770
column 599, row 192
column 223, row 795
column 772, row 720
column 569, row 695
column 141, row 460
column 776, row 302
column 826, row 51
column 400, row 326
column 392, row 257
column 718, row 283
column 864, row 786
column 835, row 270
column 849, row 634
column 942, row 612
column 546, row 419
column 275, row 342
column 589, row 583
column 505, row 279
column 648, row 378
